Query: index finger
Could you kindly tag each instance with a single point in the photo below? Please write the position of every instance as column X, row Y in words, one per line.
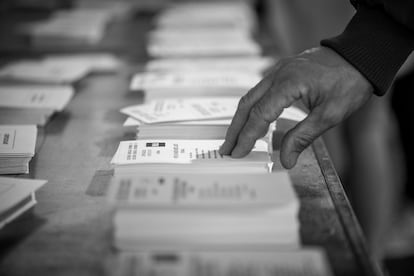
column 242, row 113
column 265, row 111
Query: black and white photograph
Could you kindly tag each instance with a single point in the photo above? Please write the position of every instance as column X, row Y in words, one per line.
column 206, row 138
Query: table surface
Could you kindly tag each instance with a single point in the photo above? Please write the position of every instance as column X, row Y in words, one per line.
column 69, row 232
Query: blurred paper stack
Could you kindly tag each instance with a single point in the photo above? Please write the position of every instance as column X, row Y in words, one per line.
column 32, row 90
column 32, row 104
column 58, row 69
column 309, row 261
column 255, row 64
column 81, row 26
column 16, row 197
column 195, row 83
column 182, row 211
column 204, row 29
column 205, row 129
column 17, row 147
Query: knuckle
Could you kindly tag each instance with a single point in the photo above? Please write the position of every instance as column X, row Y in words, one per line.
column 303, row 88
column 302, row 141
column 244, row 102
column 248, row 139
column 331, row 117
column 257, row 112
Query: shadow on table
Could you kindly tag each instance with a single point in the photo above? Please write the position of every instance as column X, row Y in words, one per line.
column 17, row 231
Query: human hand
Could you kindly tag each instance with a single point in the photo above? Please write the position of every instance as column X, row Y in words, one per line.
column 327, row 85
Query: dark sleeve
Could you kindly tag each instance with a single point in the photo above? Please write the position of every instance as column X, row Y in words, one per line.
column 377, row 40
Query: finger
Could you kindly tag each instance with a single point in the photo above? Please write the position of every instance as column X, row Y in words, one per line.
column 264, row 112
column 302, row 135
column 242, row 113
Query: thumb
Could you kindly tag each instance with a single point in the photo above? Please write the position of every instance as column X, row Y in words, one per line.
column 301, row 136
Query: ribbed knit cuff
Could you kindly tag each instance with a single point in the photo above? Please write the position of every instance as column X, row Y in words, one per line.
column 375, row 44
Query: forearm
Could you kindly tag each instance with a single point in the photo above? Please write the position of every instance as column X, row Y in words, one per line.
column 375, row 43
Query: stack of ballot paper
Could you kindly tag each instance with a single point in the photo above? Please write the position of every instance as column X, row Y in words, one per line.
column 69, row 28
column 195, row 156
column 42, row 72
column 16, row 196
column 195, row 83
column 178, row 210
column 74, row 27
column 59, row 69
column 183, row 109
column 217, row 15
column 308, row 261
column 204, row 29
column 17, row 147
column 191, row 118
column 192, row 111
column 206, row 129
column 185, row 118
column 255, row 65
column 174, row 34
column 92, row 62
column 206, row 36
column 114, row 8
column 32, row 104
column 208, row 47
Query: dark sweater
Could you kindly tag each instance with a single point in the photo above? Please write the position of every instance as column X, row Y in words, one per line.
column 377, row 40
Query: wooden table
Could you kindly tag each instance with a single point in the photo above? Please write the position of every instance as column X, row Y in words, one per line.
column 69, row 230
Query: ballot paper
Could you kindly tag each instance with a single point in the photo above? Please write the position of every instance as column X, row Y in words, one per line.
column 202, row 16
column 44, row 72
column 255, row 65
column 199, row 129
column 179, row 131
column 307, row 261
column 16, row 196
column 94, row 62
column 183, row 109
column 203, row 49
column 198, row 210
column 290, row 113
column 204, row 29
column 165, row 37
column 192, row 156
column 171, row 34
column 116, row 9
column 194, row 40
column 52, row 97
column 209, row 129
column 220, row 122
column 25, row 116
column 182, row 152
column 213, row 15
column 71, row 27
column 195, row 83
column 214, row 191
column 293, row 113
column 32, row 104
column 17, row 147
